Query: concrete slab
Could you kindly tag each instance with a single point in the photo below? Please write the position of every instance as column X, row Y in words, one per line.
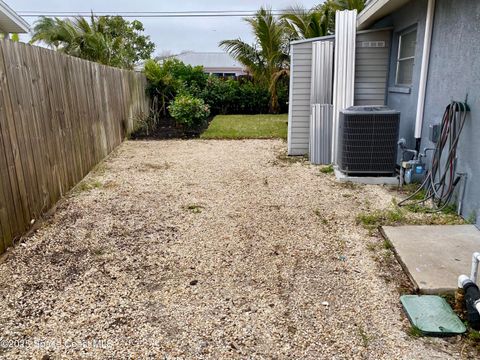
column 369, row 180
column 433, row 256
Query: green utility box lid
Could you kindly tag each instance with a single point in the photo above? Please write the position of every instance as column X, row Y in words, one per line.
column 432, row 315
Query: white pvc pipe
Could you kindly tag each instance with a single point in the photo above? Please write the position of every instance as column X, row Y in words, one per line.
column 463, row 280
column 427, row 41
column 477, row 305
column 475, row 262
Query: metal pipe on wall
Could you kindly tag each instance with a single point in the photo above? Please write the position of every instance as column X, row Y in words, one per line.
column 427, row 41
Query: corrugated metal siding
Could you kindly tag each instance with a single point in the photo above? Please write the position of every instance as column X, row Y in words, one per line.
column 322, row 72
column 344, row 71
column 370, row 83
column 320, row 148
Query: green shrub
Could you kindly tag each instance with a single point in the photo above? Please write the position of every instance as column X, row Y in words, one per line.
column 254, row 98
column 235, row 96
column 169, row 78
column 282, row 93
column 189, row 111
column 219, row 94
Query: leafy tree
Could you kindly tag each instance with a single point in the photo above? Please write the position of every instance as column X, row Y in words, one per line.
column 110, row 40
column 267, row 59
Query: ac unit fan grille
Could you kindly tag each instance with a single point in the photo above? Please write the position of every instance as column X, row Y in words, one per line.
column 368, row 142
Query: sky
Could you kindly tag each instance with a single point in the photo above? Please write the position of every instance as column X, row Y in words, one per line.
column 171, row 35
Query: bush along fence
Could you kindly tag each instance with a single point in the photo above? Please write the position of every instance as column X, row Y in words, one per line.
column 184, row 97
column 59, row 117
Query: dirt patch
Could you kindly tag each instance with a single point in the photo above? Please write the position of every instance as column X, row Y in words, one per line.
column 230, row 251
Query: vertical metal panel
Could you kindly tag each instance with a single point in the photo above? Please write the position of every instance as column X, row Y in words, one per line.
column 320, row 146
column 290, row 102
column 344, row 67
column 322, row 72
column 320, row 133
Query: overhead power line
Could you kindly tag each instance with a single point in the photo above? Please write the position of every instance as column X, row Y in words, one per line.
column 147, row 14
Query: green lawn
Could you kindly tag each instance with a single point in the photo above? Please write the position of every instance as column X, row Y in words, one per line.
column 247, row 127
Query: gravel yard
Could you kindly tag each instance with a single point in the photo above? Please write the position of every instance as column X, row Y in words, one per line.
column 207, row 249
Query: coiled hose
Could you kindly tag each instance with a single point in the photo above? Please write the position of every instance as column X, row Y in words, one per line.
column 441, row 179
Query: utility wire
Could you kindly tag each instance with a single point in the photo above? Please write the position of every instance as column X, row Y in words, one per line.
column 140, row 12
column 148, row 14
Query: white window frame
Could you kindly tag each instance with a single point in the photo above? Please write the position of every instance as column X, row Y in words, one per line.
column 399, row 59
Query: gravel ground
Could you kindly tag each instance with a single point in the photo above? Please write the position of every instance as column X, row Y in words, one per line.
column 207, row 249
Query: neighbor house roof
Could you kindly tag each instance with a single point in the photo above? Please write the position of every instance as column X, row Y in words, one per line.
column 375, row 10
column 209, row 59
column 10, row 21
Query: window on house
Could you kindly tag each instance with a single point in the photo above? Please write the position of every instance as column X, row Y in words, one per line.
column 406, row 57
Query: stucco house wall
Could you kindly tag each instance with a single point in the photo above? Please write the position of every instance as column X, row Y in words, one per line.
column 405, row 99
column 454, row 72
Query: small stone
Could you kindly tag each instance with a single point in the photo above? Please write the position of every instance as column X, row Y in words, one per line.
column 325, row 303
column 193, row 282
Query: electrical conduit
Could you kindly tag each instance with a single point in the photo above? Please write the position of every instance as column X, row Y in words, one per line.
column 427, row 41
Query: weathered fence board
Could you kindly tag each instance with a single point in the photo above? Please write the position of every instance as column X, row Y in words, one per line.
column 59, row 117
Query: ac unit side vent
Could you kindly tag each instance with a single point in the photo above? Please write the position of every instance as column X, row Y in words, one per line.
column 368, row 140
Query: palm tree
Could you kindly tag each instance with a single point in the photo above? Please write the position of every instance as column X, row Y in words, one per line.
column 75, row 37
column 348, row 4
column 318, row 21
column 303, row 24
column 267, row 59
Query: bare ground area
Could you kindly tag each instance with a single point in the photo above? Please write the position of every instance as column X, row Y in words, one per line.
column 207, row 249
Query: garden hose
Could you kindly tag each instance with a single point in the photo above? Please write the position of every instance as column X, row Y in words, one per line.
column 441, row 179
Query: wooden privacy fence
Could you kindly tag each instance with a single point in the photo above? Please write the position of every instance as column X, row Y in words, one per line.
column 59, row 117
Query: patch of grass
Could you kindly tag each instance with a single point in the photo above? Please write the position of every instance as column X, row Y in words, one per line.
column 328, row 169
column 364, row 336
column 414, row 332
column 372, row 220
column 411, row 190
column 195, row 208
column 474, row 337
column 87, row 186
column 387, row 245
column 247, row 127
column 321, row 217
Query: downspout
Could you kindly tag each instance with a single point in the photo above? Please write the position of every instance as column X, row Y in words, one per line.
column 427, row 41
